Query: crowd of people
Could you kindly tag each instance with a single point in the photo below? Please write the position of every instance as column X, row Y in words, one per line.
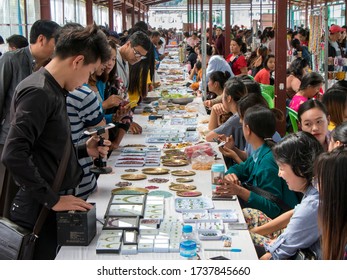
column 69, row 78
column 260, row 163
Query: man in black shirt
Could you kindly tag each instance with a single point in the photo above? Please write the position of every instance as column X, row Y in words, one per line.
column 40, row 127
column 15, row 67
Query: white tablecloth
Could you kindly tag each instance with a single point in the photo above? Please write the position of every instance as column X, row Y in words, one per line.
column 240, row 238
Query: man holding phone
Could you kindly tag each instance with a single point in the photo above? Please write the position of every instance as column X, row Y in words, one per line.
column 40, row 128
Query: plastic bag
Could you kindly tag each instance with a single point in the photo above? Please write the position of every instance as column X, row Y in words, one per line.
column 192, row 107
column 203, row 147
column 201, row 160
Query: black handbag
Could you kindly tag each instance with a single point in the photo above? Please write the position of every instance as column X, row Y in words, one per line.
column 12, row 239
column 17, row 242
column 270, row 196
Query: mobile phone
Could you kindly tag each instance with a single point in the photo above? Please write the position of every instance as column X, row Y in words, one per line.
column 98, row 129
column 221, row 144
column 221, row 197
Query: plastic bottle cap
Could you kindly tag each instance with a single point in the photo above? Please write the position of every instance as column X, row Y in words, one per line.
column 187, row 229
column 218, row 168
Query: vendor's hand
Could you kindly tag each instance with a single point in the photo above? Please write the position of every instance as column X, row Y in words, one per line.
column 93, row 148
column 266, row 256
column 198, row 93
column 150, row 87
column 70, row 203
column 121, row 113
column 112, row 101
column 229, row 142
column 228, row 152
column 135, row 128
column 208, row 103
column 232, row 178
column 222, row 137
column 222, row 191
column 228, row 188
column 219, row 109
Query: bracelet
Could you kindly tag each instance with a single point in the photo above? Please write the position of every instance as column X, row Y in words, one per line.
column 123, row 126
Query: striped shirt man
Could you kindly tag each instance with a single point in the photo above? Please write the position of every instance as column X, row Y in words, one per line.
column 84, row 111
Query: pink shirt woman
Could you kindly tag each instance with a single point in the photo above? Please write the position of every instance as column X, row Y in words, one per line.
column 309, row 88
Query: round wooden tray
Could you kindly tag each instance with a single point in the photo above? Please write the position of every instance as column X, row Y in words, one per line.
column 184, row 180
column 133, row 177
column 176, row 162
column 155, row 171
column 183, row 172
column 182, row 187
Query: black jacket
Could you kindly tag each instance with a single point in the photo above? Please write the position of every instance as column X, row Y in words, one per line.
column 14, row 67
column 36, row 140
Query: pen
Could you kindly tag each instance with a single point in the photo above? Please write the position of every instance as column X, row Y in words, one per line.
column 235, row 250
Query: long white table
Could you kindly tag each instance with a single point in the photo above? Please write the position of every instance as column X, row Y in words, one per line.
column 240, row 238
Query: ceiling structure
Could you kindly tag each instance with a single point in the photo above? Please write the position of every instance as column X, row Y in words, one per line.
column 144, row 4
column 310, row 2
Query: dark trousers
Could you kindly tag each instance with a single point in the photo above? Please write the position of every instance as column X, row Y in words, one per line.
column 46, row 245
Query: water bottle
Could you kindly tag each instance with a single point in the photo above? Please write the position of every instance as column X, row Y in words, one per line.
column 188, row 246
column 217, row 175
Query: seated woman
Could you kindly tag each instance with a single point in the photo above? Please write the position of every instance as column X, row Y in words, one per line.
column 338, row 136
column 309, row 88
column 112, row 105
column 297, row 69
column 196, row 73
column 263, row 228
column 229, row 150
column 236, row 59
column 191, row 57
column 335, row 99
column 264, row 76
column 213, row 63
column 255, row 62
column 332, row 219
column 260, row 170
column 234, row 90
column 295, row 156
column 313, row 118
column 216, row 86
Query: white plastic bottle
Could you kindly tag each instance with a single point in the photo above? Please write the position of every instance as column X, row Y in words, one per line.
column 188, row 246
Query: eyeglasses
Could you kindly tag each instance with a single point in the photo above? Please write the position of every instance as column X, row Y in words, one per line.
column 138, row 54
